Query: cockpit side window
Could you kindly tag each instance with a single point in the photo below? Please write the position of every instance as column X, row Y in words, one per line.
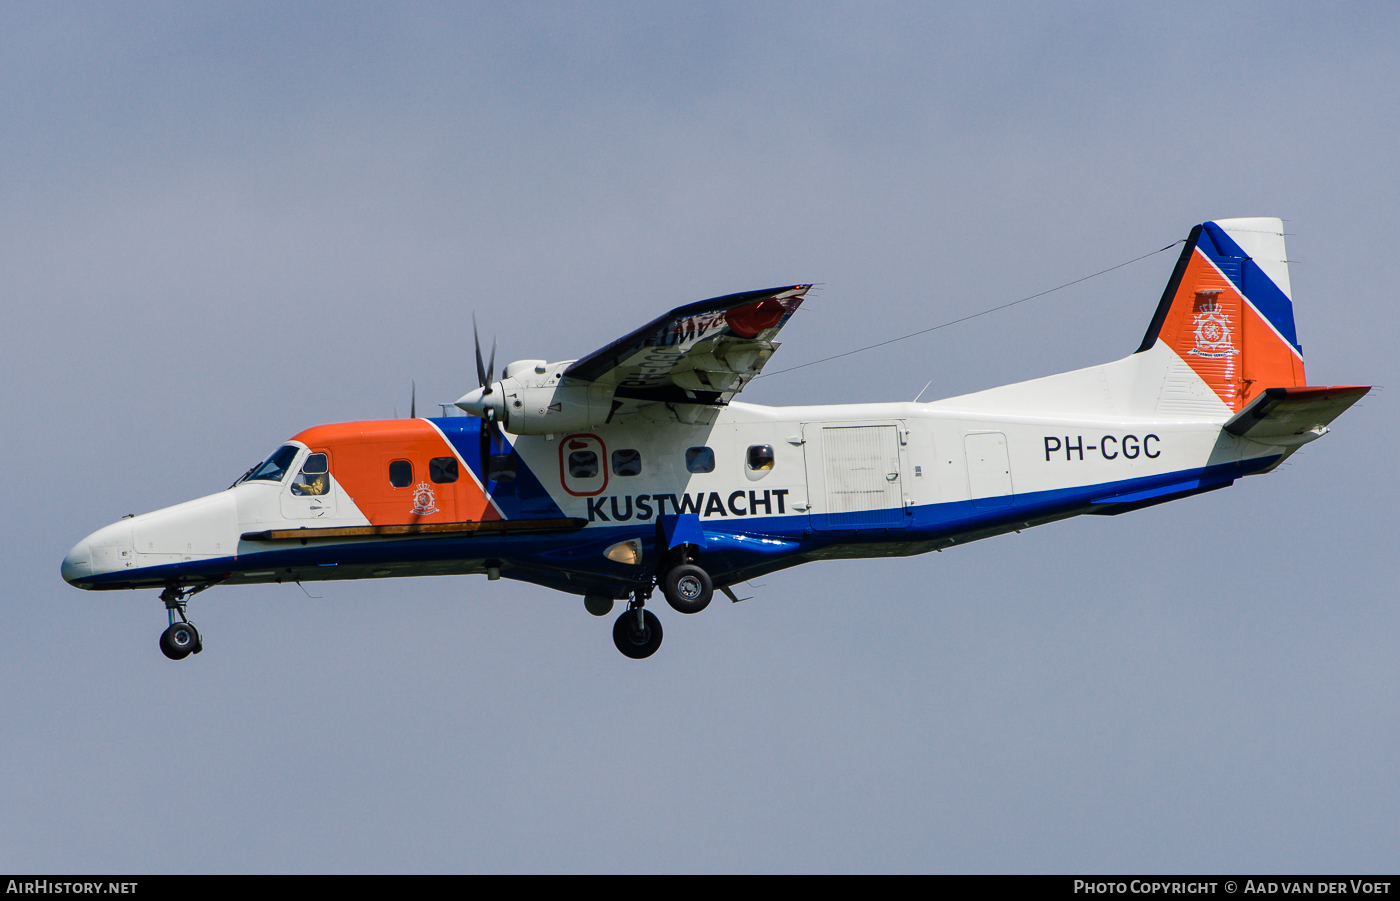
column 276, row 466
column 314, row 479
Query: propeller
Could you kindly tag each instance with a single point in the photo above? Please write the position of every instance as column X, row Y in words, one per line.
column 483, row 372
column 482, row 402
column 413, row 402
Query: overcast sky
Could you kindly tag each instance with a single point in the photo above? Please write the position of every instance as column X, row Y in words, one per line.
column 222, row 223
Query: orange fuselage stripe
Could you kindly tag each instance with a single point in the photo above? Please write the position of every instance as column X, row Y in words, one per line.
column 360, row 454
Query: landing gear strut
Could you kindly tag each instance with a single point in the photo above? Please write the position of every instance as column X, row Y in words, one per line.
column 637, row 632
column 181, row 638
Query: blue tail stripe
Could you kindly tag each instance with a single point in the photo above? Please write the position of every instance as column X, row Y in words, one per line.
column 1250, row 280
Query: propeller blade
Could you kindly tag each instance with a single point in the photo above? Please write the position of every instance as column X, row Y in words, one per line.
column 413, row 403
column 480, row 365
column 485, row 448
column 491, row 367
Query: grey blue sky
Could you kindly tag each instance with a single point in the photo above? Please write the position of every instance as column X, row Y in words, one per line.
column 221, row 223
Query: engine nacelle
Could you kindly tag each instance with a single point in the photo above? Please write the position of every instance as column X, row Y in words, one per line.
column 534, row 398
column 553, row 409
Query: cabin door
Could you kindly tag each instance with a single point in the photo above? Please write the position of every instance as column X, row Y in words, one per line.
column 988, row 469
column 855, row 476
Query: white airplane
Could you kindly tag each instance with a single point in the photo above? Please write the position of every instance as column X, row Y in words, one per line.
column 634, row 467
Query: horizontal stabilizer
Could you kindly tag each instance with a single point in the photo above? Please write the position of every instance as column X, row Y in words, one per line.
column 1289, row 416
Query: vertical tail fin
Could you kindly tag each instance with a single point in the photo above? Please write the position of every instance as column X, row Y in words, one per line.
column 1228, row 310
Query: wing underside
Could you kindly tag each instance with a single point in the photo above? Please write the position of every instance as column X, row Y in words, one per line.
column 702, row 353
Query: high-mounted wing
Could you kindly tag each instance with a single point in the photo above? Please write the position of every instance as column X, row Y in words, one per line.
column 681, row 367
column 701, row 353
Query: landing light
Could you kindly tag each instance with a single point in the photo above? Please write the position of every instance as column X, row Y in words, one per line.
column 628, row 552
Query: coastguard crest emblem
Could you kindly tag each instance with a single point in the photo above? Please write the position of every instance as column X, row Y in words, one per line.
column 1214, row 337
column 424, row 501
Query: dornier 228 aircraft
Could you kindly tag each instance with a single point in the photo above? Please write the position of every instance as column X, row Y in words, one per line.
column 634, row 468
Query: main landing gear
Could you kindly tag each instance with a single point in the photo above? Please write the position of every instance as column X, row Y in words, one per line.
column 688, row 589
column 181, row 638
column 686, row 586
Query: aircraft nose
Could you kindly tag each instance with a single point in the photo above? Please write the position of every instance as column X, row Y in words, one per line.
column 78, row 564
column 106, row 550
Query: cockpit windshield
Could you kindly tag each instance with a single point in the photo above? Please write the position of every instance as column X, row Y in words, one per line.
column 276, row 466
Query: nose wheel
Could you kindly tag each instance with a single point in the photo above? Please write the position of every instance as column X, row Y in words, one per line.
column 637, row 632
column 181, row 638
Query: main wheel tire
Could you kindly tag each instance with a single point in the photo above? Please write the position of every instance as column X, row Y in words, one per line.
column 179, row 641
column 687, row 588
column 635, row 643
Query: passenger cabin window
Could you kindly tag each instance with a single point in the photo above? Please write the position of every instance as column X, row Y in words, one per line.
column 627, row 462
column 583, row 464
column 700, row 459
column 501, row 468
column 761, row 457
column 314, row 479
column 443, row 470
column 276, row 466
column 400, row 473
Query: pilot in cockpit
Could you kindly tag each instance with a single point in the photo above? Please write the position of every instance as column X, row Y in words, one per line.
column 313, row 480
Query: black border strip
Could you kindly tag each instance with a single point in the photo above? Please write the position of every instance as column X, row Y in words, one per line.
column 1165, row 304
column 489, row 527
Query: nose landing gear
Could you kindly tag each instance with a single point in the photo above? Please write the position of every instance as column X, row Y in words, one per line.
column 181, row 638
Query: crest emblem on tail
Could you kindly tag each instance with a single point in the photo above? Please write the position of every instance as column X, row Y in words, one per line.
column 1212, row 327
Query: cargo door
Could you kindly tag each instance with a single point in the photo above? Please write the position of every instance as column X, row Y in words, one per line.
column 855, row 476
